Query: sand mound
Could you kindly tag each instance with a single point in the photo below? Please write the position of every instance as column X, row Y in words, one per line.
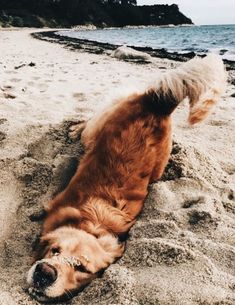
column 179, row 252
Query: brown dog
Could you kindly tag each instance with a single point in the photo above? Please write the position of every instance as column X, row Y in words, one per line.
column 127, row 147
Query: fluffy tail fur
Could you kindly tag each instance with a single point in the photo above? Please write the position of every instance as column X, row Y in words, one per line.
column 202, row 80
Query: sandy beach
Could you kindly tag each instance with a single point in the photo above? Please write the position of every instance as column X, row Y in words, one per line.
column 182, row 249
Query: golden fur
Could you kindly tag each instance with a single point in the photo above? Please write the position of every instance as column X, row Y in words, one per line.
column 127, row 147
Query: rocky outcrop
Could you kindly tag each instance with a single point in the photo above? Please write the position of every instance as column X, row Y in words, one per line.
column 102, row 13
column 148, row 15
column 163, row 15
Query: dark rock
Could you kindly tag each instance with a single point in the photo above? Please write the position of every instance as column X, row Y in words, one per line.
column 223, row 51
column 32, row 64
column 20, row 66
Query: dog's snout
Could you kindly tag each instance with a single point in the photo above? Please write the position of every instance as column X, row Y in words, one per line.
column 44, row 275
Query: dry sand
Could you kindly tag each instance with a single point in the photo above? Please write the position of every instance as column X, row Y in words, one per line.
column 182, row 249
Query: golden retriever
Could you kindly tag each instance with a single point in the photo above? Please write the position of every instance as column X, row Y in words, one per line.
column 127, row 147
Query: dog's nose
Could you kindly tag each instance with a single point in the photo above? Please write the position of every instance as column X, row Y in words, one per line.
column 44, row 275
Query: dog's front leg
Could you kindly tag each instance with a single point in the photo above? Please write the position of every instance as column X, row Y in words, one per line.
column 61, row 199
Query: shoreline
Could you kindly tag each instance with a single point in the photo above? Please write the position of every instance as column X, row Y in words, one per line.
column 97, row 47
column 93, row 27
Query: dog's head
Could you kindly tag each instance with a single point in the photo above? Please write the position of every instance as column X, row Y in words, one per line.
column 67, row 260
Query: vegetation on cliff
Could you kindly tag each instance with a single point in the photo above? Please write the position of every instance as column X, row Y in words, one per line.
column 66, row 13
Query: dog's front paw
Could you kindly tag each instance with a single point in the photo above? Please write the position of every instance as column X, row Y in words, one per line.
column 76, row 130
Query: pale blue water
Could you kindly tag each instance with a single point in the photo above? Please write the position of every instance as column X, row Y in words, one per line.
column 200, row 39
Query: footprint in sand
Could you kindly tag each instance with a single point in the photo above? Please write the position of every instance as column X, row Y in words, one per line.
column 6, row 92
column 228, row 203
column 202, row 220
column 3, row 121
column 218, row 123
column 97, row 93
column 31, row 83
column 10, row 72
column 231, row 195
column 190, row 203
column 79, row 96
column 82, row 109
column 202, row 213
column 2, row 136
column 15, row 80
column 42, row 86
column 6, row 87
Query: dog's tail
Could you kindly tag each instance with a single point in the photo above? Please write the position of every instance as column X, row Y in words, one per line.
column 202, row 80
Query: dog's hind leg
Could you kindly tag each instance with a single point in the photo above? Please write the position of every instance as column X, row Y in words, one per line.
column 163, row 154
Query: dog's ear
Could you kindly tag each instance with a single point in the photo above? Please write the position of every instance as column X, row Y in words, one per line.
column 64, row 216
column 111, row 246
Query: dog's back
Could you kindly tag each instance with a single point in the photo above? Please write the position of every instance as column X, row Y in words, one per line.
column 132, row 149
column 132, row 142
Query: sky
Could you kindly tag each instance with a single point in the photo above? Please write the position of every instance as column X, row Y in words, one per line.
column 202, row 11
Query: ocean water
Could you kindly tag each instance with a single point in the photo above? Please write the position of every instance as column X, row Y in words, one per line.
column 200, row 39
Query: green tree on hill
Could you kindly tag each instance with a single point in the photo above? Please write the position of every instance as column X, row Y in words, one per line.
column 66, row 13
